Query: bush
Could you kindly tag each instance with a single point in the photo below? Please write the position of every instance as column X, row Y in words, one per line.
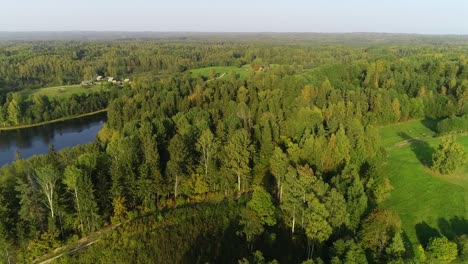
column 449, row 156
column 453, row 124
column 442, row 250
column 180, row 200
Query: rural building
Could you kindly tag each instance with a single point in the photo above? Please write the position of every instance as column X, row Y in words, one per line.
column 87, row 83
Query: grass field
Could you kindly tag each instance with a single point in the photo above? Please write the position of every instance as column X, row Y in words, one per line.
column 242, row 72
column 61, row 91
column 428, row 204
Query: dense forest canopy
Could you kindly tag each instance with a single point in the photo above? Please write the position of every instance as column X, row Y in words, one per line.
column 283, row 162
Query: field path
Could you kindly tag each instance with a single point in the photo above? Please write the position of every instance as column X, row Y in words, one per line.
column 75, row 246
column 93, row 238
column 217, row 78
column 410, row 141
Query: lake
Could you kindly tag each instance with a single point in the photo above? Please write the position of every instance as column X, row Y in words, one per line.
column 36, row 140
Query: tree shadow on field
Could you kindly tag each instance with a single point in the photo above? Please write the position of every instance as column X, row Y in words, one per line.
column 425, row 232
column 430, row 124
column 421, row 148
column 453, row 227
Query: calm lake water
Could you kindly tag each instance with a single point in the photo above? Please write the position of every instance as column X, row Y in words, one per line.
column 36, row 140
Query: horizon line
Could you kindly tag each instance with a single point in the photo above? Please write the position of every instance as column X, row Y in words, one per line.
column 234, row 32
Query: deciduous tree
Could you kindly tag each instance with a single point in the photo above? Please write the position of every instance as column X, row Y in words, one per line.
column 449, row 156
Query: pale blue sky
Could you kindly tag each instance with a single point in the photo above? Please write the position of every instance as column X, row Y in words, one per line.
column 399, row 16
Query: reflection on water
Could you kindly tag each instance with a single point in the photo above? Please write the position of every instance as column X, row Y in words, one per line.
column 36, row 140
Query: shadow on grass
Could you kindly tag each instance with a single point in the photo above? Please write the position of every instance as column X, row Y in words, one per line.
column 451, row 228
column 421, row 148
column 430, row 124
column 425, row 232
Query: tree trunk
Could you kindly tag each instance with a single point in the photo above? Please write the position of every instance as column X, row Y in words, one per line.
column 238, row 182
column 175, row 186
column 312, row 251
column 206, row 165
column 78, row 209
column 8, row 255
column 50, row 200
column 281, row 194
column 302, row 218
column 294, row 219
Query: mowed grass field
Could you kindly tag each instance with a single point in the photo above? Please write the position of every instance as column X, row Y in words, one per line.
column 429, row 204
column 220, row 70
column 61, row 91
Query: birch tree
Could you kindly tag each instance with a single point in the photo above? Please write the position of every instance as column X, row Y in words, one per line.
column 206, row 144
column 237, row 156
column 47, row 177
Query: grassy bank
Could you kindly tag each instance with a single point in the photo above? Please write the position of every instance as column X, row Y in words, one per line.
column 52, row 121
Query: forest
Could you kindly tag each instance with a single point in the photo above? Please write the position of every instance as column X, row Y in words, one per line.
column 284, row 163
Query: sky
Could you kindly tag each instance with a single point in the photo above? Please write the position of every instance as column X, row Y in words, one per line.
column 392, row 16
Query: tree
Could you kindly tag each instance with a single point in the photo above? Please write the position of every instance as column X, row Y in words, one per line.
column 45, row 243
column 316, row 214
column 31, row 213
column 258, row 213
column 348, row 251
column 396, row 247
column 279, row 168
column 14, row 109
column 420, row 254
column 262, row 204
column 178, row 160
column 5, row 245
column 351, row 186
column 341, row 148
column 120, row 210
column 336, row 205
column 449, row 156
column 150, row 181
column 71, row 178
column 317, row 228
column 379, row 229
column 206, row 144
column 251, row 224
column 442, row 250
column 396, row 109
column 237, row 153
column 47, row 177
column 293, row 198
column 6, row 253
column 80, row 184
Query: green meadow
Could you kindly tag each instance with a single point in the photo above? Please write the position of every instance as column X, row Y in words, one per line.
column 429, row 204
column 222, row 71
column 61, row 91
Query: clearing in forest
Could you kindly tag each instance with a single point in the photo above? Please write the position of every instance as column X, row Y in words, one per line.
column 429, row 204
column 62, row 91
column 242, row 72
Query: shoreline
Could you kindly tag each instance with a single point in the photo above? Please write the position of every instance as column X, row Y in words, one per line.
column 53, row 121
